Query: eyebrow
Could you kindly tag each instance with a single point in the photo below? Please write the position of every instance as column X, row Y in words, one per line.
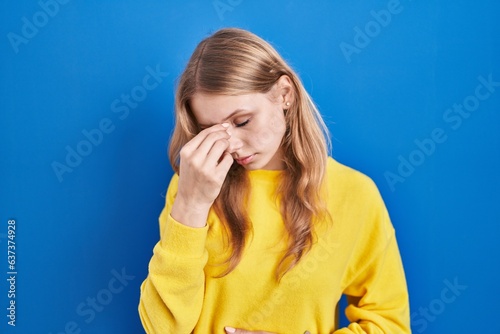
column 237, row 111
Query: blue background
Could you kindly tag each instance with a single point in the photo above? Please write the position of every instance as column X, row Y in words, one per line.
column 74, row 230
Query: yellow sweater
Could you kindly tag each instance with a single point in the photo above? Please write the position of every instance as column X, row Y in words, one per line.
column 356, row 255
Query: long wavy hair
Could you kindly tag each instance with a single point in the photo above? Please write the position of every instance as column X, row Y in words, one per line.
column 233, row 62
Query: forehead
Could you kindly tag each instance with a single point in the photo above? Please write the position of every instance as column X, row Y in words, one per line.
column 214, row 109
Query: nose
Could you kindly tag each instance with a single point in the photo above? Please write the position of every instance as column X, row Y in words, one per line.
column 235, row 143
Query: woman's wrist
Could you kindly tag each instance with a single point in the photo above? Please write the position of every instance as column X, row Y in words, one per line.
column 188, row 214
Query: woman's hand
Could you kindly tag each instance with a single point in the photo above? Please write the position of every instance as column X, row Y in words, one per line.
column 204, row 164
column 231, row 330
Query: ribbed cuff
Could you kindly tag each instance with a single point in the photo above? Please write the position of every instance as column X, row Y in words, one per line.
column 183, row 241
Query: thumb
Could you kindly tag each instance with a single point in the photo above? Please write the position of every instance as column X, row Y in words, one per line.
column 232, row 330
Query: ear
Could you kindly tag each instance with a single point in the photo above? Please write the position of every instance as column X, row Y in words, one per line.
column 285, row 92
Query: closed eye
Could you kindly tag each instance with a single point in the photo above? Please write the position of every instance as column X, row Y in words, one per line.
column 239, row 125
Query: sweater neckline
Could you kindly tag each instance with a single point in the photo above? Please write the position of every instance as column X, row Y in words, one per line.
column 266, row 174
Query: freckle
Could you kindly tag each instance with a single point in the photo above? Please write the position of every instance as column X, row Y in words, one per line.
column 272, row 123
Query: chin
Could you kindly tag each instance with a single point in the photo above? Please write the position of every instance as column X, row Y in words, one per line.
column 267, row 165
column 255, row 165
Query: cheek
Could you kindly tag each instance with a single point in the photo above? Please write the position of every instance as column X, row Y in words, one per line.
column 273, row 130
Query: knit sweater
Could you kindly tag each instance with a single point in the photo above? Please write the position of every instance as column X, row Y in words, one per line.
column 355, row 253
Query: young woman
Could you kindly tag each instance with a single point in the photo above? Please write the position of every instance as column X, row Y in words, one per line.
column 262, row 232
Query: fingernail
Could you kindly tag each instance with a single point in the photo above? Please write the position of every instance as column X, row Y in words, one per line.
column 226, row 125
column 230, row 329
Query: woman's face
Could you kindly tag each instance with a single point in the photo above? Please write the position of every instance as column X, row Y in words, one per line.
column 256, row 125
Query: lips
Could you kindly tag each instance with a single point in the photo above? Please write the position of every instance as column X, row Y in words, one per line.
column 245, row 160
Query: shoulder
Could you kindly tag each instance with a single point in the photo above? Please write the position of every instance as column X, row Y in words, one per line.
column 355, row 201
column 345, row 181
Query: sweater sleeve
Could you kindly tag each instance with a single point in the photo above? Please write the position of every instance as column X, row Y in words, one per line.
column 375, row 285
column 172, row 294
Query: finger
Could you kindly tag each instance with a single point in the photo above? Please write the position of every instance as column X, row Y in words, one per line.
column 225, row 163
column 198, row 155
column 214, row 141
column 200, row 137
column 231, row 330
column 215, row 154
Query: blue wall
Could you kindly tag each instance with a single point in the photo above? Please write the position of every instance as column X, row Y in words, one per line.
column 410, row 91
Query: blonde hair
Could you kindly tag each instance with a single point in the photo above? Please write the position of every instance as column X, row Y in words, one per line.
column 234, row 62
